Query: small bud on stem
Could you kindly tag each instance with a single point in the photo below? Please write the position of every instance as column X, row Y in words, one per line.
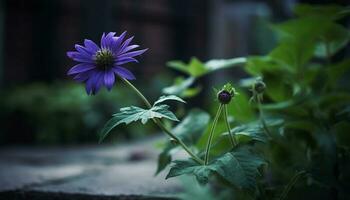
column 226, row 93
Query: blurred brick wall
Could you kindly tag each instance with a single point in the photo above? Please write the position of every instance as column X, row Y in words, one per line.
column 38, row 33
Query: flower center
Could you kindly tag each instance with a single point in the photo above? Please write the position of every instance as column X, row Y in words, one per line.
column 104, row 59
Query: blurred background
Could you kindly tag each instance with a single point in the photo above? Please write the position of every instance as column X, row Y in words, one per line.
column 39, row 104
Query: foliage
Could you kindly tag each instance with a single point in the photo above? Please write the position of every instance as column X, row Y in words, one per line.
column 133, row 113
column 60, row 113
column 290, row 138
column 299, row 124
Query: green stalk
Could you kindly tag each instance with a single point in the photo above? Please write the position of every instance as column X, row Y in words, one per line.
column 262, row 119
column 161, row 125
column 211, row 134
column 291, row 183
column 231, row 135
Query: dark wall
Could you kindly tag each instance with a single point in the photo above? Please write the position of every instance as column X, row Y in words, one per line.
column 38, row 33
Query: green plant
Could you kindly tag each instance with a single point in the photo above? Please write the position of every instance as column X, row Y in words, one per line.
column 289, row 140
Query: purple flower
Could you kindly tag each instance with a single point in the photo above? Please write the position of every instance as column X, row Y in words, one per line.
column 99, row 65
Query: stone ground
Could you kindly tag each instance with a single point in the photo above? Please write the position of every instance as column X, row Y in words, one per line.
column 85, row 172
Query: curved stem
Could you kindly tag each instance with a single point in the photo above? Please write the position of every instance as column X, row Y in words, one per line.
column 211, row 134
column 231, row 135
column 148, row 104
column 161, row 125
column 291, row 183
column 262, row 119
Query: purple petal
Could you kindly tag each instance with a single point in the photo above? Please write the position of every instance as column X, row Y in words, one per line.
column 124, row 60
column 81, row 77
column 124, row 73
column 134, row 53
column 103, row 40
column 91, row 46
column 119, row 40
column 131, row 47
column 93, row 84
column 106, row 41
column 79, row 68
column 109, row 79
column 126, row 43
column 83, row 51
column 109, row 39
column 79, row 57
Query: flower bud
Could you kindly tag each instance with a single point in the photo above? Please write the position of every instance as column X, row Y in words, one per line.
column 259, row 87
column 224, row 97
column 226, row 93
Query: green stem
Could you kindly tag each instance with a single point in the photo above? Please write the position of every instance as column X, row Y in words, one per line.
column 262, row 119
column 148, row 104
column 231, row 135
column 161, row 125
column 211, row 134
column 291, row 183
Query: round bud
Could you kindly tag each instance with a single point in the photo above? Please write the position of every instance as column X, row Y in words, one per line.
column 225, row 97
column 259, row 87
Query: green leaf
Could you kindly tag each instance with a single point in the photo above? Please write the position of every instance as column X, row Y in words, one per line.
column 333, row 39
column 333, row 12
column 133, row 113
column 218, row 64
column 240, row 168
column 168, row 98
column 293, row 54
column 179, row 87
column 189, row 130
column 341, row 131
column 240, row 107
column 336, row 71
column 181, row 167
column 195, row 68
column 246, row 133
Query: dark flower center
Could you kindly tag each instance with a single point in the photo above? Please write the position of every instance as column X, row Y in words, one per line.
column 224, row 97
column 104, row 59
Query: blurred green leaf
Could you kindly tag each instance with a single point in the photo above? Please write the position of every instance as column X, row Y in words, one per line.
column 195, row 68
column 333, row 12
column 193, row 190
column 218, row 64
column 336, row 71
column 181, row 87
column 240, row 108
column 334, row 38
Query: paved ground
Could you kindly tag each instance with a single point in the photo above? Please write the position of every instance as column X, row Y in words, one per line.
column 89, row 172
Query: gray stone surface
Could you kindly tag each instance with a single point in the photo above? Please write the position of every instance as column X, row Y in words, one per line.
column 115, row 170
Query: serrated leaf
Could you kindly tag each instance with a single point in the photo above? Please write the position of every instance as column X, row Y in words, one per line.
column 189, row 131
column 133, row 113
column 168, row 98
column 240, row 168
